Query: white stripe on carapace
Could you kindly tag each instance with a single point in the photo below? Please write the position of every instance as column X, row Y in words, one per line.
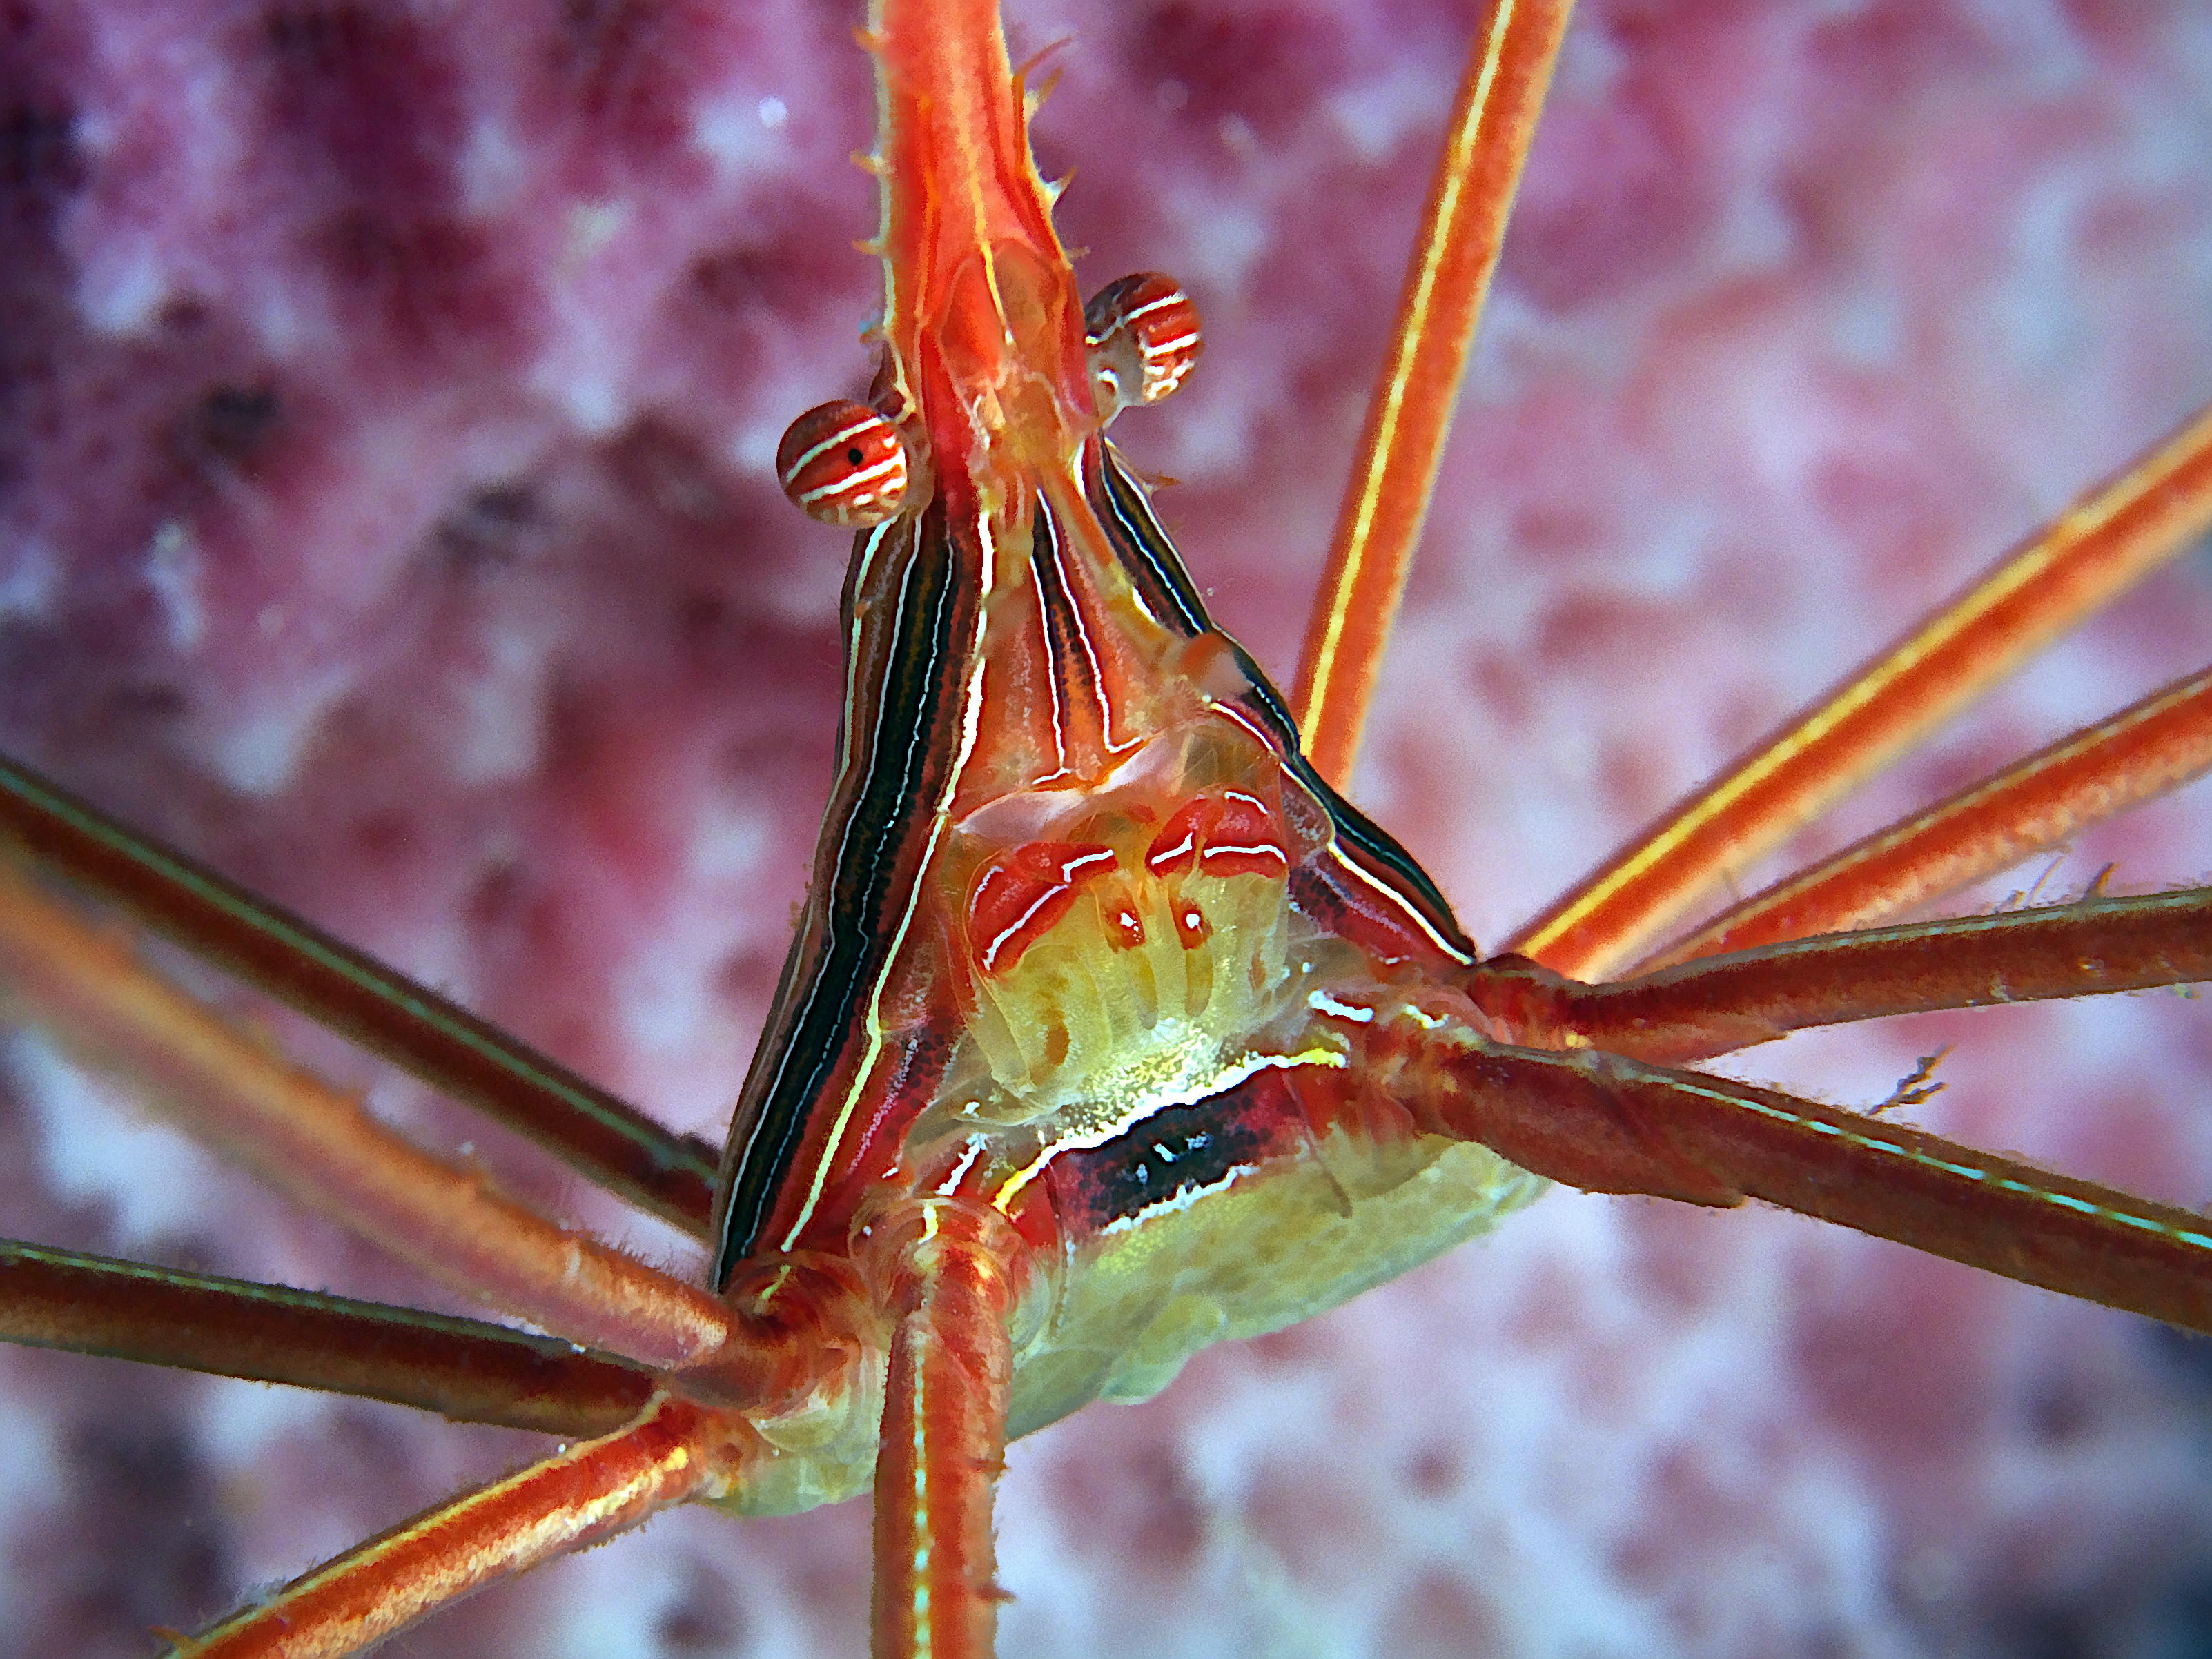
column 1140, row 536
column 977, row 1145
column 1326, row 1002
column 989, row 957
column 1085, row 639
column 1265, row 849
column 1186, row 1199
column 1053, row 678
column 939, row 816
column 870, row 552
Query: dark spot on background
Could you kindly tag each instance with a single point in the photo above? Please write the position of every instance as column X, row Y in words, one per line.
column 487, row 533
column 628, row 64
column 38, row 162
column 1264, row 63
column 142, row 700
column 498, row 898
column 39, row 170
column 128, row 1542
column 386, row 836
column 423, row 276
column 2185, row 1358
column 2059, row 1412
column 707, row 1618
column 369, row 93
column 2045, row 1631
column 671, row 472
column 233, row 421
column 1435, row 1472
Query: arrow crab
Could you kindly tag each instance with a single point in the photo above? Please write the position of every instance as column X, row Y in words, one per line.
column 394, row 529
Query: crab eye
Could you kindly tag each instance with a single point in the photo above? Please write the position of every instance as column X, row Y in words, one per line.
column 844, row 463
column 1142, row 335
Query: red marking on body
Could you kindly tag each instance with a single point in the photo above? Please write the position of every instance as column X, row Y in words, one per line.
column 1228, row 832
column 1020, row 894
column 1128, row 929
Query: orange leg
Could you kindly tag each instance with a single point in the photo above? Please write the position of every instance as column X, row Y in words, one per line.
column 1715, row 1005
column 949, row 1278
column 459, row 1368
column 675, row 1451
column 671, row 481
column 1501, row 94
column 316, row 1144
column 2136, row 756
column 1605, row 1124
column 357, row 996
column 2106, row 542
column 1919, row 1381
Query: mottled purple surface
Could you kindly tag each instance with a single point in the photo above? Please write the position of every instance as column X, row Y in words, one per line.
column 387, row 395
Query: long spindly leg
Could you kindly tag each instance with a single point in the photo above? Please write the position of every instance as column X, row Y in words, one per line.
column 650, row 1451
column 638, row 1453
column 1606, row 1124
column 2109, row 540
column 1409, row 411
column 462, row 1369
column 2157, row 744
column 1716, row 1005
column 602, row 1138
column 948, row 1275
column 673, row 1452
column 317, row 1143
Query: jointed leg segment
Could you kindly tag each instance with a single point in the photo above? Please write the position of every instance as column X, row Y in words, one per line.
column 1716, row 1005
column 949, row 1273
column 2136, row 756
column 674, row 1452
column 2110, row 539
column 462, row 1369
column 317, row 1143
column 1607, row 1124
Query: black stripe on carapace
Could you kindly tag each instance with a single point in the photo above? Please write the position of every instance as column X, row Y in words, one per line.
column 1156, row 570
column 1367, row 839
column 1176, row 1152
column 1074, row 671
column 1154, row 567
column 898, row 744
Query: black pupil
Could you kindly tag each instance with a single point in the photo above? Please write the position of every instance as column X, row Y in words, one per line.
column 853, row 458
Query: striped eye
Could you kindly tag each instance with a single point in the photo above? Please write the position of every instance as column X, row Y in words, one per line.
column 845, row 465
column 1142, row 335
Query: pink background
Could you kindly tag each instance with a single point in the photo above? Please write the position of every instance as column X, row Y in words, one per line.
column 386, row 396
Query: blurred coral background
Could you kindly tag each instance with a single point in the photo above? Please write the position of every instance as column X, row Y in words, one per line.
column 387, row 398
